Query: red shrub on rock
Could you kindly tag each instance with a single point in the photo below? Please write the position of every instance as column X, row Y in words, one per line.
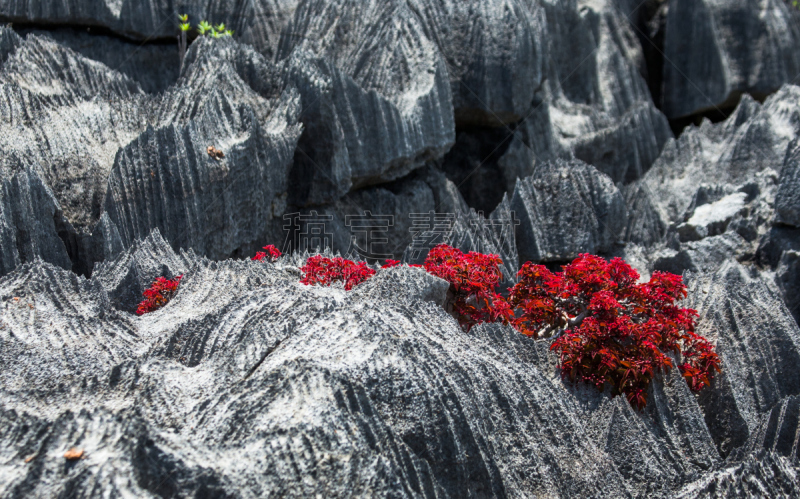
column 615, row 331
column 271, row 255
column 159, row 294
column 325, row 271
column 473, row 278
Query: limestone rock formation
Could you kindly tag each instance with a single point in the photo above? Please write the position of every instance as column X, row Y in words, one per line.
column 559, row 198
column 523, row 128
column 715, row 51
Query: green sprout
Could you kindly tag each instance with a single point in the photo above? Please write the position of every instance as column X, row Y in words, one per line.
column 204, row 27
column 186, row 26
column 220, row 27
column 183, row 17
column 228, row 32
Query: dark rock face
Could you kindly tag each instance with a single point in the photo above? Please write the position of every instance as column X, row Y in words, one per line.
column 715, row 51
column 560, row 197
column 523, row 128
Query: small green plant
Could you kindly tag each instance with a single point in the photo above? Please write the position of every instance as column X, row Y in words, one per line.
column 185, row 27
column 204, row 28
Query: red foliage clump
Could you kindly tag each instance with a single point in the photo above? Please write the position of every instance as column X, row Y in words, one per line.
column 616, row 332
column 390, row 263
column 473, row 278
column 159, row 294
column 325, row 271
column 271, row 255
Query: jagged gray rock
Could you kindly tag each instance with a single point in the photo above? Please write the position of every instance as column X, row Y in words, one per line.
column 759, row 344
column 716, row 50
column 127, row 276
column 30, row 219
column 760, row 475
column 704, row 255
column 63, row 118
column 245, row 357
column 258, row 23
column 566, row 208
column 153, row 66
column 787, row 200
column 788, row 277
column 249, row 383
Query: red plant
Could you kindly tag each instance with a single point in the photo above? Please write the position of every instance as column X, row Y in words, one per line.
column 271, row 255
column 390, row 263
column 325, row 271
column 473, row 278
column 616, row 331
column 159, row 294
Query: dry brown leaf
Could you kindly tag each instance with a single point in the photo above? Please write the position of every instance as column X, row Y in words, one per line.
column 30, row 458
column 73, row 454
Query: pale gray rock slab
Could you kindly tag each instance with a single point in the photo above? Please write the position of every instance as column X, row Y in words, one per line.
column 712, row 219
column 421, row 286
column 704, row 255
column 63, row 329
column 715, row 50
column 744, row 155
column 758, row 475
column 566, row 208
column 758, row 342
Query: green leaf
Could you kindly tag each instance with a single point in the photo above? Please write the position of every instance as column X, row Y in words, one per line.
column 183, row 17
column 204, row 27
column 228, row 32
column 186, row 27
column 220, row 27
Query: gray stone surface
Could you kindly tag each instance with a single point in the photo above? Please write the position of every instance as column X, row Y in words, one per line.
column 154, row 66
column 788, row 277
column 259, row 23
column 249, row 383
column 760, row 475
column 787, row 200
column 165, row 179
column 759, row 343
column 567, row 208
column 375, row 390
column 715, row 50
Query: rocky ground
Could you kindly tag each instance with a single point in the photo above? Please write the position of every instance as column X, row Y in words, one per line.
column 665, row 132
